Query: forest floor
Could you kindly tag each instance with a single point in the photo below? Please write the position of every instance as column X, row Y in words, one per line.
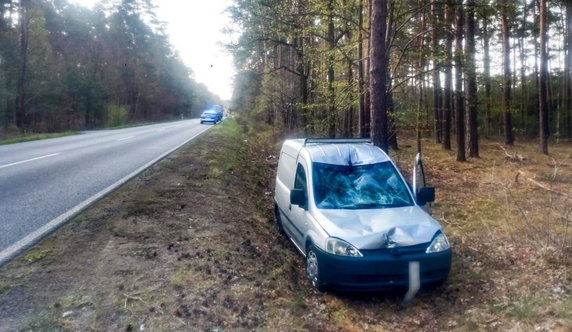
column 191, row 245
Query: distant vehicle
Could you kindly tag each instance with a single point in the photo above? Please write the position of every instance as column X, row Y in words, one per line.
column 217, row 108
column 211, row 116
column 350, row 212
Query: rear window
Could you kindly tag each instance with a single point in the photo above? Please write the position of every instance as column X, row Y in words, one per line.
column 370, row 186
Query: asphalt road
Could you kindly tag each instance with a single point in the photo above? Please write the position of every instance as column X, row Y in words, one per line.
column 45, row 183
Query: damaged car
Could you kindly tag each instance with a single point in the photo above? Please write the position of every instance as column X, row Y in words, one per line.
column 346, row 207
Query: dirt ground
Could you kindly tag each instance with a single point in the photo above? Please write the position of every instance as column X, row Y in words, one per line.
column 190, row 245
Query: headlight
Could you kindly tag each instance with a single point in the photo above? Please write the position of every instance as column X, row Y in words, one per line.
column 341, row 247
column 439, row 243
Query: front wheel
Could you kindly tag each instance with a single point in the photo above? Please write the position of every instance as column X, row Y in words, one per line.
column 313, row 269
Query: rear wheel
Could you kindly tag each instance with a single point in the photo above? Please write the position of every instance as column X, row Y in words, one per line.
column 313, row 269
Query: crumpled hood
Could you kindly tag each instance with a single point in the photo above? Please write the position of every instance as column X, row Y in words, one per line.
column 379, row 228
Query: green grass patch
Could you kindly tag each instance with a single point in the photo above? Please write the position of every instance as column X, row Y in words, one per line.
column 36, row 137
column 193, row 277
column 49, row 321
column 4, row 287
column 565, row 310
column 523, row 310
column 35, row 255
column 228, row 157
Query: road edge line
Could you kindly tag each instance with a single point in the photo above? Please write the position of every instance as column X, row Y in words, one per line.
column 29, row 240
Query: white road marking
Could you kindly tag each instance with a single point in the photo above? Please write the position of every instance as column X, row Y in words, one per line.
column 125, row 138
column 28, row 160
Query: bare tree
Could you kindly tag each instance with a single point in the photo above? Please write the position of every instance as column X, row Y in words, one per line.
column 459, row 101
column 507, row 78
column 543, row 81
column 448, row 92
column 378, row 74
column 471, row 82
column 22, row 118
column 420, row 69
column 437, row 95
column 568, row 66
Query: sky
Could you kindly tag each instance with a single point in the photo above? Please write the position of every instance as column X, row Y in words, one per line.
column 195, row 30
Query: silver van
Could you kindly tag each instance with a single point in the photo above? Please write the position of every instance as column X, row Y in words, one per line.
column 359, row 224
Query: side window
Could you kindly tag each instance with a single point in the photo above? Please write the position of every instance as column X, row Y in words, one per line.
column 300, row 181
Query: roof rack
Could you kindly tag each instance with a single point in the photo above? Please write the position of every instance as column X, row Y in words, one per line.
column 336, row 140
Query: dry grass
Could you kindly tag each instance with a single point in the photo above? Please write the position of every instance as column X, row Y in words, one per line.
column 191, row 245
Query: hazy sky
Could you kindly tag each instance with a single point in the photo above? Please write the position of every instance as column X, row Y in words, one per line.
column 195, row 29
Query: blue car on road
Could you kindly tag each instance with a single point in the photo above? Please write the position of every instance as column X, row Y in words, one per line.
column 211, row 116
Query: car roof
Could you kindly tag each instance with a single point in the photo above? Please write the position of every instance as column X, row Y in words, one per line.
column 340, row 152
column 346, row 154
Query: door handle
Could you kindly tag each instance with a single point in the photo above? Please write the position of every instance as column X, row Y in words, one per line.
column 290, row 207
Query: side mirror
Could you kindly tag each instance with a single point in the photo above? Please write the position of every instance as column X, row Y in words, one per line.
column 298, row 197
column 426, row 195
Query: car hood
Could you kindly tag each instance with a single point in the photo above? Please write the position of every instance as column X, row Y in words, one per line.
column 379, row 228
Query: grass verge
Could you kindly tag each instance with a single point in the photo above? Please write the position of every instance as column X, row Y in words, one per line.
column 35, row 137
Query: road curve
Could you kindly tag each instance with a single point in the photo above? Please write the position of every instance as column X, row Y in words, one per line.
column 45, row 183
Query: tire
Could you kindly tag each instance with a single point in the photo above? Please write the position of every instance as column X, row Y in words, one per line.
column 312, row 269
column 431, row 286
column 278, row 219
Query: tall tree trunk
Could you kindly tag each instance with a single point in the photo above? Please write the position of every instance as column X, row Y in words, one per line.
column 487, row 76
column 568, row 66
column 391, row 117
column 332, row 116
column 392, row 125
column 361, row 75
column 447, row 93
column 536, row 75
column 459, row 101
column 437, row 96
column 22, row 117
column 543, row 81
column 349, row 119
column 420, row 69
column 367, row 96
column 303, row 88
column 507, row 78
column 523, row 80
column 378, row 74
column 471, row 91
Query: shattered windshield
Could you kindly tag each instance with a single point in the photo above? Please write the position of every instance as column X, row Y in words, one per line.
column 370, row 186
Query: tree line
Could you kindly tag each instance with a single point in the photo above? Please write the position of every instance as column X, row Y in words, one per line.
column 457, row 70
column 67, row 67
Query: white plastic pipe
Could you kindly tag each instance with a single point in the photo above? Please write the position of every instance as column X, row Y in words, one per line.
column 414, row 281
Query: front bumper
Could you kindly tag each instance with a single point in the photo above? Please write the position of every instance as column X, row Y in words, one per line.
column 381, row 270
column 213, row 120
